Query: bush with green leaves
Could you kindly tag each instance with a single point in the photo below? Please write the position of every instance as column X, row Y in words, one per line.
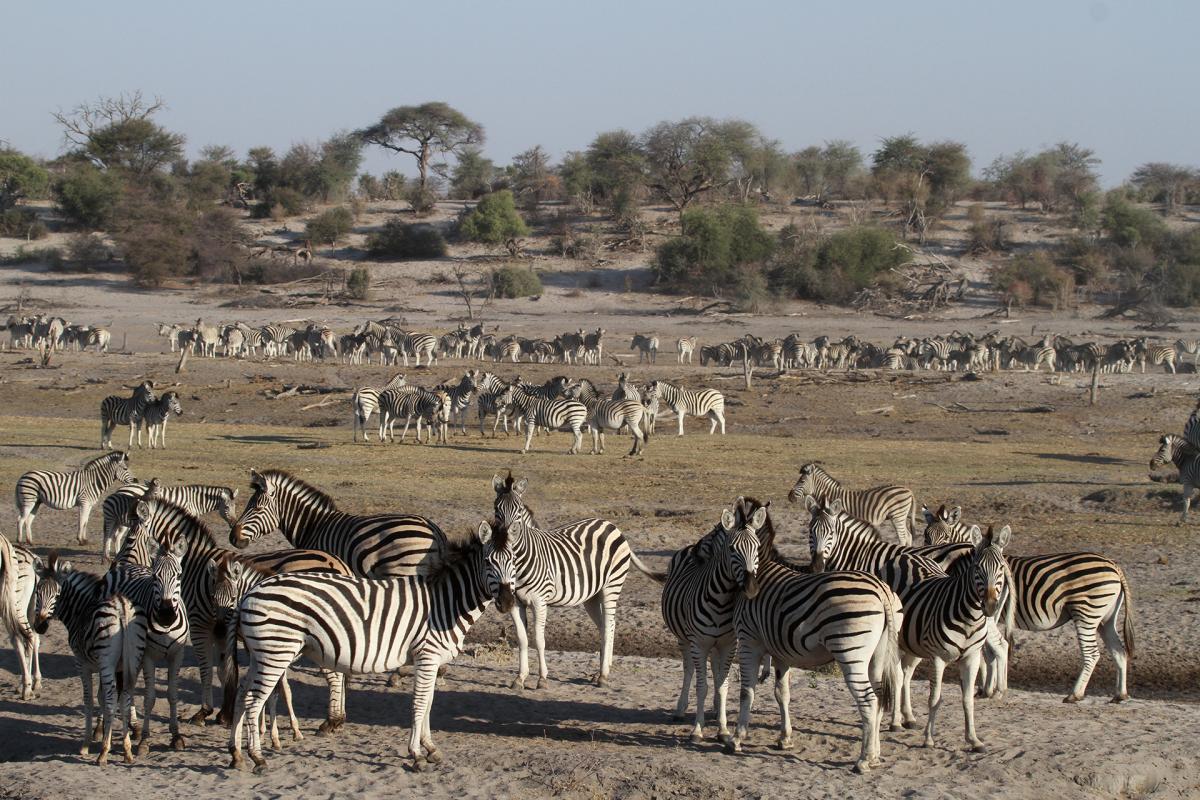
column 399, row 240
column 833, row 269
column 715, row 246
column 20, row 177
column 330, row 226
column 494, row 220
column 21, row 223
column 422, row 199
column 1128, row 225
column 52, row 257
column 88, row 196
column 510, row 282
column 87, row 250
column 358, row 284
column 1034, row 278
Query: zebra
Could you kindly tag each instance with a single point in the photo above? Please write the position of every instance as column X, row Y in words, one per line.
column 1051, row 589
column 206, row 337
column 17, row 581
column 116, row 410
column 374, row 546
column 807, row 620
column 196, row 499
column 81, row 488
column 614, row 415
column 497, row 401
column 460, row 397
column 593, row 347
column 583, row 563
column 352, row 624
column 1186, row 458
column 422, row 343
column 100, row 337
column 365, row 402
column 720, row 354
column 156, row 416
column 697, row 403
column 553, row 413
column 894, row 504
column 1190, row 347
column 684, row 347
column 625, row 390
column 1157, row 354
column 646, row 346
column 434, row 406
column 106, row 636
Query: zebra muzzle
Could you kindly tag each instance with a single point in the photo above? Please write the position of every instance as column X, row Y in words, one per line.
column 166, row 614
column 750, row 586
column 505, row 599
column 818, row 564
column 41, row 625
column 237, row 538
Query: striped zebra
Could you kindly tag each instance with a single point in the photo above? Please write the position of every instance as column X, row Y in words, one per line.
column 358, row 625
column 934, row 353
column 409, row 402
column 1186, row 458
column 593, row 347
column 107, row 636
column 946, row 620
column 156, row 416
column 720, row 354
column 116, row 410
column 460, row 395
column 422, row 343
column 365, row 402
column 275, row 339
column 613, row 415
column 807, row 620
column 1189, row 347
column 583, row 563
column 1050, row 590
column 625, row 389
column 374, row 546
column 694, row 402
column 80, row 489
column 1157, row 354
column 552, row 413
column 496, row 401
column 508, row 349
column 196, row 499
column 646, row 347
column 17, row 581
column 684, row 347
column 231, row 578
column 894, row 504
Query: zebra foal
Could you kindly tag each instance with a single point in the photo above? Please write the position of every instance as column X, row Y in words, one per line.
column 80, row 489
column 116, row 410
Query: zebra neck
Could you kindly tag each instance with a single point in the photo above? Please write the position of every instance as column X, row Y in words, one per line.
column 300, row 520
column 76, row 605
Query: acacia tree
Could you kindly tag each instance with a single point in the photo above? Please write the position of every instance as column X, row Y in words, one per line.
column 1164, row 183
column 423, row 132
column 615, row 168
column 688, row 158
column 533, row 179
column 927, row 179
column 118, row 133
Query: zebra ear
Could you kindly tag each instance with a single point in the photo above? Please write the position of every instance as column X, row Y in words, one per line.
column 143, row 510
column 955, row 515
column 497, row 483
column 834, row 506
column 179, row 547
column 256, row 478
column 727, row 520
column 760, row 518
column 811, row 503
column 520, row 486
column 234, row 569
column 234, row 495
column 975, row 535
column 483, row 534
column 930, row 518
column 1002, row 537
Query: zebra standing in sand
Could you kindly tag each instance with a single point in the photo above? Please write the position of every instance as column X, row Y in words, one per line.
column 551, row 413
column 1051, row 589
column 106, row 636
column 365, row 402
column 694, row 402
column 646, row 347
column 1179, row 451
column 409, row 402
column 356, row 625
column 684, row 347
column 196, row 499
column 461, row 394
column 611, row 415
column 583, row 563
column 894, row 504
column 156, row 416
column 116, row 410
column 80, row 489
column 17, row 581
column 805, row 621
column 495, row 398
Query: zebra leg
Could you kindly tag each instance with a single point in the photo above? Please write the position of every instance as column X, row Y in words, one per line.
column 1188, row 491
column 749, row 656
column 108, row 700
column 680, row 415
column 286, row 689
column 783, row 696
column 721, row 657
column 1085, row 630
column 909, row 664
column 903, row 534
column 697, row 656
column 335, row 716
column 85, row 511
column 528, row 435
column 858, row 681
column 577, row 442
column 688, row 676
column 603, row 610
column 539, row 610
column 85, row 677
column 1115, row 644
column 36, row 646
column 520, row 618
column 968, row 669
column 148, row 678
column 936, row 667
column 22, row 647
column 420, row 743
column 174, row 661
column 204, row 648
column 272, row 714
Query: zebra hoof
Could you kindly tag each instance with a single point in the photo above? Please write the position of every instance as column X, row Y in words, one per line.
column 732, row 747
column 862, row 766
column 178, row 743
column 102, row 760
column 200, row 716
column 97, row 734
column 784, row 744
column 518, row 683
column 434, row 757
column 260, row 766
column 135, row 730
column 235, row 760
column 911, row 724
column 418, row 764
column 143, row 748
column 697, row 738
column 1121, row 698
column 1071, row 699
column 978, row 747
column 541, row 683
column 393, row 681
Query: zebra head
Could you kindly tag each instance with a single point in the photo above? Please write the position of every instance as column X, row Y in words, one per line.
column 500, row 576
column 744, row 548
column 824, row 530
column 940, row 526
column 512, row 515
column 225, row 573
column 120, row 467
column 171, row 401
column 49, row 586
column 167, row 569
column 260, row 516
column 805, row 485
column 989, row 570
column 1169, row 446
column 227, row 505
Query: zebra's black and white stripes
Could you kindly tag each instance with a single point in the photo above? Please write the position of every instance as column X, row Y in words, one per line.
column 1185, row 456
column 81, row 488
column 17, row 580
column 552, row 413
column 894, row 504
column 691, row 402
column 116, row 410
column 196, row 499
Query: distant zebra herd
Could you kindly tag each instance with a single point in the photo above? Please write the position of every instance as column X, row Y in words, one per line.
column 53, row 333
column 369, row 593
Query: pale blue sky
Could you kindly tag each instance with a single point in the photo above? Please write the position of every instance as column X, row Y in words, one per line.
column 1119, row 77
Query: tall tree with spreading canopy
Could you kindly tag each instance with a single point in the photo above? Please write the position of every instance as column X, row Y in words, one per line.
column 926, row 178
column 118, row 133
column 424, row 132
column 685, row 159
column 616, row 167
column 20, row 177
column 1164, row 183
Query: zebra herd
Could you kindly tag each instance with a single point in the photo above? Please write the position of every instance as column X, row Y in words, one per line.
column 560, row 403
column 53, row 333
column 955, row 351
column 143, row 410
column 361, row 594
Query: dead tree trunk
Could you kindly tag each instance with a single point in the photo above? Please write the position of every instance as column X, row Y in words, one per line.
column 747, row 367
column 1095, row 383
column 183, row 356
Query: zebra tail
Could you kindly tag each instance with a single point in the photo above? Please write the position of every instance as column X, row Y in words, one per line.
column 1010, row 606
column 658, row 577
column 8, row 583
column 1127, row 628
column 229, row 663
column 888, row 652
column 131, row 653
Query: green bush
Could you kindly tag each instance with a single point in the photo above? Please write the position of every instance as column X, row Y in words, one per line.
column 512, row 282
column 399, row 240
column 494, row 220
column 835, row 268
column 330, row 226
column 1127, row 225
column 714, row 246
column 87, row 250
column 52, row 257
column 358, row 284
column 87, row 196
column 281, row 202
column 422, row 199
column 1034, row 278
column 22, row 223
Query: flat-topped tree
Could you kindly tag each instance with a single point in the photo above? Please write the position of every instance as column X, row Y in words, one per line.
column 422, row 132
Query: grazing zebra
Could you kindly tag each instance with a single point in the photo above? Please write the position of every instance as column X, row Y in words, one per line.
column 807, row 620
column 374, row 546
column 946, row 620
column 116, row 410
column 196, row 499
column 1050, row 590
column 80, row 489
column 697, row 403
column 434, row 406
column 365, row 402
column 1186, row 458
column 156, row 416
column 646, row 346
column 460, row 397
column 583, row 563
column 106, row 635
column 720, row 354
column 552, row 413
column 17, row 581
column 894, row 504
column 351, row 624
column 684, row 347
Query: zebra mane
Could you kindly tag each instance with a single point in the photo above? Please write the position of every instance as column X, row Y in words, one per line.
column 458, row 552
column 202, row 532
column 766, row 534
column 313, row 495
column 104, row 458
